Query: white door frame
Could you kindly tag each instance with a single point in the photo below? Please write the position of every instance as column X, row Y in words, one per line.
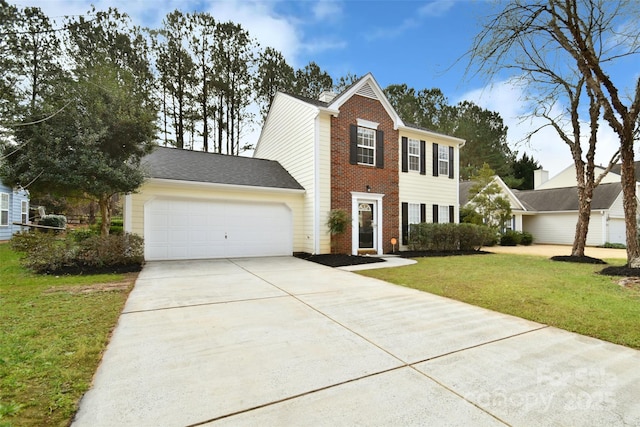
column 376, row 199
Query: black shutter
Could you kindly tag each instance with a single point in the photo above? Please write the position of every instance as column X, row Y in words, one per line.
column 405, row 154
column 423, row 158
column 380, row 149
column 451, row 213
column 353, row 144
column 435, row 159
column 423, row 212
column 435, row 214
column 405, row 223
column 451, row 162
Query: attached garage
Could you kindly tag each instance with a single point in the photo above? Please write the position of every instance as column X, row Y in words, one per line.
column 197, row 205
column 196, row 229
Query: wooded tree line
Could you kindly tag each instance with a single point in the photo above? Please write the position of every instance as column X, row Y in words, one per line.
column 203, row 75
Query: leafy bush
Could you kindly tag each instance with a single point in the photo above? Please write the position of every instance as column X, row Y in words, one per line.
column 97, row 251
column 81, row 234
column 59, row 221
column 511, row 238
column 50, row 253
column 448, row 237
column 610, row 245
column 117, row 226
column 527, row 238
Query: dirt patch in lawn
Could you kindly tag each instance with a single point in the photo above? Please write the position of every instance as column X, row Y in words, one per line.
column 577, row 259
column 123, row 285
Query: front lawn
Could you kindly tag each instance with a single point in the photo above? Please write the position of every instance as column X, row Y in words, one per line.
column 53, row 330
column 565, row 295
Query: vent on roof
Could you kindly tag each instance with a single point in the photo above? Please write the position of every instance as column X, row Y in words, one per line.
column 367, row 90
column 327, row 96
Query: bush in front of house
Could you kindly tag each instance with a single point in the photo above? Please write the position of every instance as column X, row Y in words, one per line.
column 511, row 238
column 449, row 237
column 52, row 220
column 527, row 238
column 52, row 253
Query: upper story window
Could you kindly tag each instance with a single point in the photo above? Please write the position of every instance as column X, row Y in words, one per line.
column 443, row 160
column 366, row 146
column 414, row 155
column 4, row 209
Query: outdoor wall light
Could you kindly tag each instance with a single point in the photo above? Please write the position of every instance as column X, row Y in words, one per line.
column 368, row 189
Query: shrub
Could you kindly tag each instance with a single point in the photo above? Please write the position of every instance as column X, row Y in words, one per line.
column 448, row 237
column 112, row 250
column 511, row 238
column 527, row 238
column 78, row 251
column 81, row 234
column 59, row 221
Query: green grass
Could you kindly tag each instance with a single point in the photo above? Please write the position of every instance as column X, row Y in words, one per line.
column 565, row 295
column 51, row 340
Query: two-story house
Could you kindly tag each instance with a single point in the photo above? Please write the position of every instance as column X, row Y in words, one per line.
column 352, row 151
column 349, row 151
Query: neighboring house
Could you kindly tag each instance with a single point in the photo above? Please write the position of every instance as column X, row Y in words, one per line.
column 353, row 152
column 349, row 151
column 14, row 207
column 517, row 208
column 550, row 211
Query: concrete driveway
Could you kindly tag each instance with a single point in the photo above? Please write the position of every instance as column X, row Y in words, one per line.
column 281, row 341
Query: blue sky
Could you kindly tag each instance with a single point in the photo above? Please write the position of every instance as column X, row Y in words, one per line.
column 420, row 43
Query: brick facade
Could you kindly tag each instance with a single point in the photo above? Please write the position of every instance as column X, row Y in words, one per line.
column 346, row 177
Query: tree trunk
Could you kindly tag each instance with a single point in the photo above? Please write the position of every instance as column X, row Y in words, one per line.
column 105, row 214
column 630, row 204
column 582, row 226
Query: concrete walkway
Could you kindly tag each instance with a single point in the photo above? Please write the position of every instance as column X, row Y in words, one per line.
column 282, row 341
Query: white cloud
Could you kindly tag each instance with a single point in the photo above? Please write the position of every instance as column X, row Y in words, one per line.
column 545, row 145
column 327, row 10
column 436, row 8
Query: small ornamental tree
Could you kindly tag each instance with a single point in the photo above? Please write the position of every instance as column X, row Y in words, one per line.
column 486, row 197
column 337, row 224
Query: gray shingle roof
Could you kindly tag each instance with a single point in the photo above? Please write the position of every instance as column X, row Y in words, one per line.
column 618, row 169
column 465, row 186
column 566, row 199
column 198, row 166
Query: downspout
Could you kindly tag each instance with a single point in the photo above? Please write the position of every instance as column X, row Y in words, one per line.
column 316, row 185
column 128, row 212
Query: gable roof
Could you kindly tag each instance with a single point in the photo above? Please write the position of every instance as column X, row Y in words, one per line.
column 198, row 166
column 566, row 198
column 465, row 188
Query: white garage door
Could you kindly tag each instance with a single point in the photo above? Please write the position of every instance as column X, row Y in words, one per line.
column 617, row 231
column 189, row 229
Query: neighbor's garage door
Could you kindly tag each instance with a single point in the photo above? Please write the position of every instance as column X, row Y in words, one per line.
column 188, row 229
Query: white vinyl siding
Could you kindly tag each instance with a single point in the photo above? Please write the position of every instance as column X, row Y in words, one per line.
column 4, row 209
column 443, row 160
column 288, row 138
column 366, row 146
column 414, row 154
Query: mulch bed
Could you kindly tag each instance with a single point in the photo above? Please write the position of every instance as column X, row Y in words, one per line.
column 342, row 260
column 577, row 259
column 85, row 270
column 621, row 271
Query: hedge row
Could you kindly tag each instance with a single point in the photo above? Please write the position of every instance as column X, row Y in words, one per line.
column 54, row 253
column 450, row 237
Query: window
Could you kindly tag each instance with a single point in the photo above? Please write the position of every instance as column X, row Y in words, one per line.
column 24, row 217
column 443, row 214
column 4, row 209
column 366, row 146
column 414, row 155
column 443, row 160
column 414, row 213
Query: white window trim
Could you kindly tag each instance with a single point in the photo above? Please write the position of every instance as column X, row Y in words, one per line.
column 373, row 147
column 443, row 211
column 410, row 155
column 443, row 149
column 367, row 124
column 24, row 211
column 3, row 196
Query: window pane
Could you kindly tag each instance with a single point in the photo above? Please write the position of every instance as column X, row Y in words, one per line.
column 4, row 218
column 365, row 155
column 366, row 146
column 414, row 213
column 443, row 214
column 366, row 137
column 414, row 147
column 4, row 201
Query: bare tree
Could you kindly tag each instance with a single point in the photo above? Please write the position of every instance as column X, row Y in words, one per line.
column 562, row 50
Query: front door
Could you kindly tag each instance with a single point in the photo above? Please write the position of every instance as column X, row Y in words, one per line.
column 366, row 226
